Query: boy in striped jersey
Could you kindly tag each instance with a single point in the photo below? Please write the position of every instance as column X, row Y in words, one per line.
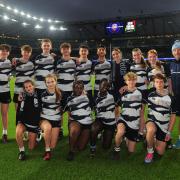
column 131, row 120
column 161, row 118
column 5, row 97
column 65, row 69
column 105, row 117
column 44, row 65
column 84, row 70
column 101, row 68
column 79, row 119
column 24, row 70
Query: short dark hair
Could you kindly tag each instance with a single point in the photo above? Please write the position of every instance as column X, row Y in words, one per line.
column 27, row 48
column 65, row 45
column 5, row 47
column 84, row 46
column 159, row 76
column 101, row 46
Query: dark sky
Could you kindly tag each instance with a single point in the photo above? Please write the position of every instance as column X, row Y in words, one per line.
column 79, row 10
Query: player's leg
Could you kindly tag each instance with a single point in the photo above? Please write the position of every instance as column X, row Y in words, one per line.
column 95, row 129
column 74, row 132
column 121, row 129
column 20, row 129
column 47, row 129
column 4, row 113
column 151, row 130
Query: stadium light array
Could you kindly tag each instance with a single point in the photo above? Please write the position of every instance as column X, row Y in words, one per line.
column 27, row 15
column 38, row 26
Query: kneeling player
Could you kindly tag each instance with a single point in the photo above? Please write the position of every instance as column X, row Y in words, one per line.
column 79, row 119
column 131, row 121
column 105, row 117
column 161, row 118
column 27, row 117
column 51, row 114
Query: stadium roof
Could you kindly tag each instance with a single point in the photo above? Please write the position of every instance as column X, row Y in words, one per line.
column 80, row 10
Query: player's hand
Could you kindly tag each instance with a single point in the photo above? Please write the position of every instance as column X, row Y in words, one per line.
column 168, row 137
column 20, row 97
column 14, row 61
column 123, row 89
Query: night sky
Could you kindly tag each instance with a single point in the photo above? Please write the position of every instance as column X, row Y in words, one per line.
column 80, row 10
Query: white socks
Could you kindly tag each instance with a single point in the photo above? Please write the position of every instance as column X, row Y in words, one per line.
column 5, row 131
column 150, row 150
column 22, row 149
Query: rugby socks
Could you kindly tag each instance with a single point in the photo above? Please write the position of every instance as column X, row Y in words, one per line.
column 21, row 149
column 5, row 131
column 48, row 149
column 150, row 150
column 117, row 149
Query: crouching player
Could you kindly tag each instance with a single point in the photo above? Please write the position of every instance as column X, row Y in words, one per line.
column 131, row 121
column 80, row 121
column 27, row 117
column 105, row 118
column 161, row 118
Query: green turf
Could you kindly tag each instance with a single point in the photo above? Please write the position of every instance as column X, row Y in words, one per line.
column 102, row 167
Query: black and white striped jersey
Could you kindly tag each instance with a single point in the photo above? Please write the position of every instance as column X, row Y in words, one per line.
column 65, row 70
column 51, row 110
column 23, row 71
column 44, row 65
column 101, row 70
column 83, row 72
column 5, row 71
column 131, row 104
column 105, row 109
column 141, row 73
column 160, row 108
column 79, row 109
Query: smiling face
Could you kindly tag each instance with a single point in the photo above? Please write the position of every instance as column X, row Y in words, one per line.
column 137, row 55
column 26, row 54
column 176, row 53
column 83, row 52
column 4, row 54
column 66, row 51
column 29, row 87
column 116, row 55
column 152, row 58
column 159, row 84
column 131, row 83
column 78, row 89
column 51, row 83
column 101, row 52
column 46, row 47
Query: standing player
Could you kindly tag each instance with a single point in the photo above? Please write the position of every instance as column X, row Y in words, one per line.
column 44, row 65
column 131, row 121
column 140, row 69
column 119, row 68
column 24, row 69
column 5, row 96
column 155, row 67
column 84, row 70
column 175, row 78
column 65, row 69
column 51, row 114
column 105, row 118
column 27, row 117
column 101, row 68
column 79, row 119
column 161, row 118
